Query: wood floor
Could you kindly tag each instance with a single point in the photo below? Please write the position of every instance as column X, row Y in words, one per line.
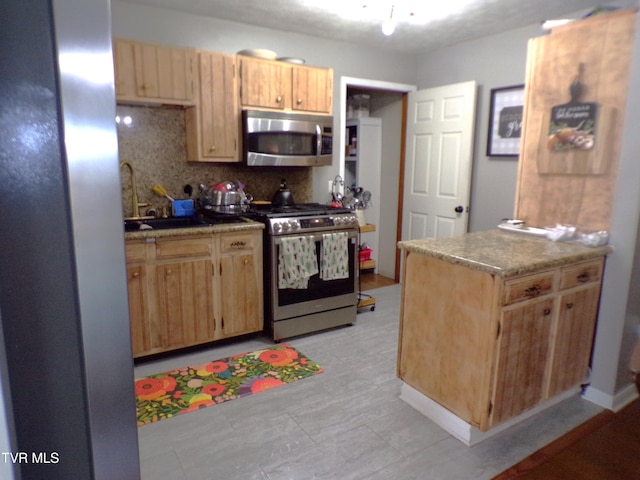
column 369, row 281
column 607, row 447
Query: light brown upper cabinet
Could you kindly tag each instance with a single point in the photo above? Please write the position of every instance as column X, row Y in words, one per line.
column 312, row 89
column 213, row 127
column 153, row 74
column 284, row 86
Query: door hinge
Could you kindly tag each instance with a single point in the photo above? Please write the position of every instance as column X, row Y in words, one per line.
column 498, row 330
column 220, row 268
column 490, row 409
column 222, row 323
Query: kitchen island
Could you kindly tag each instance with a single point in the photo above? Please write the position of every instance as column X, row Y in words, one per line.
column 494, row 327
column 189, row 286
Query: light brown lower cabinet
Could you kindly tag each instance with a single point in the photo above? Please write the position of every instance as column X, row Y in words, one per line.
column 489, row 348
column 186, row 291
column 242, row 303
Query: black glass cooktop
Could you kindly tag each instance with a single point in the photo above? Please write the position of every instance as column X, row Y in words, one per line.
column 303, row 209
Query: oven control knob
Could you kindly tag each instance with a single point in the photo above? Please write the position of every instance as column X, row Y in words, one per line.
column 286, row 227
column 337, row 220
column 277, row 227
column 294, row 224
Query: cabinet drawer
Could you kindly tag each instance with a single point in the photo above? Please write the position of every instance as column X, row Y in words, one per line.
column 183, row 247
column 525, row 288
column 585, row 272
column 235, row 242
column 135, row 252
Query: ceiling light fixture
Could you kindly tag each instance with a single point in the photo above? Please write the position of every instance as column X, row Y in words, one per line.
column 389, row 25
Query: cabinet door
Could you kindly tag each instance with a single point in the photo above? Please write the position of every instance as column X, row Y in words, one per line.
column 124, row 69
column 573, row 338
column 185, row 302
column 265, row 84
column 312, row 89
column 164, row 72
column 523, row 346
column 154, row 73
column 138, row 309
column 241, row 287
column 215, row 122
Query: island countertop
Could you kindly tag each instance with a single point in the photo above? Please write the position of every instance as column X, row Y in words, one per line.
column 503, row 253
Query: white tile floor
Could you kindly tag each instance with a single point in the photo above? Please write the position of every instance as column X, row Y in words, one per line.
column 346, row 423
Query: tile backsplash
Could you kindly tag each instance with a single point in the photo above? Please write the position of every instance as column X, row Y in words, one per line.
column 152, row 140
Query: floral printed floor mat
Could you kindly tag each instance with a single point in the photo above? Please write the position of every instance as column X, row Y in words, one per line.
column 188, row 389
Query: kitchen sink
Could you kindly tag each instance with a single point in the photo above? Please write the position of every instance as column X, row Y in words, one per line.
column 131, row 225
column 164, row 223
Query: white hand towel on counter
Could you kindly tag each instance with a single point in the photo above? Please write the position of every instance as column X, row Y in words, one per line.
column 334, row 256
column 297, row 261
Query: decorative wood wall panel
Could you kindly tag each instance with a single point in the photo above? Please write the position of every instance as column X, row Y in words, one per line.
column 574, row 187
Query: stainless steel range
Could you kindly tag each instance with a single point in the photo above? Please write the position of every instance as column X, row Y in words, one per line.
column 320, row 303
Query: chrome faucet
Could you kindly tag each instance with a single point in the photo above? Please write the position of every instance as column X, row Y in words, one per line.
column 135, row 204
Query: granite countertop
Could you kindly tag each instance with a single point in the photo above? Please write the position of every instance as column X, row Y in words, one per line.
column 503, row 253
column 181, row 232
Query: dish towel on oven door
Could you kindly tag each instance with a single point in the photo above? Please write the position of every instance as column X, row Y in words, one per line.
column 334, row 256
column 297, row 261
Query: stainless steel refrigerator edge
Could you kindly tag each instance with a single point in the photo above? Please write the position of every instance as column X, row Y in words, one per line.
column 63, row 300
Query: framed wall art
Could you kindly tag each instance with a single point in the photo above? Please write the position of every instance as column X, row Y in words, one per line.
column 505, row 121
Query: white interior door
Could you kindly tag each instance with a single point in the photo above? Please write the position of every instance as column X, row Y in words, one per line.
column 439, row 152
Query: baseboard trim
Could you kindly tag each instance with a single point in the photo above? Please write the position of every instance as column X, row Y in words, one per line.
column 463, row 431
column 612, row 402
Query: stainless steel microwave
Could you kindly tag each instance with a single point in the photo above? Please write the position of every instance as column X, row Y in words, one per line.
column 287, row 139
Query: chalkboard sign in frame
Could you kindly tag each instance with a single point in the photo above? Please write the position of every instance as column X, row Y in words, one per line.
column 505, row 121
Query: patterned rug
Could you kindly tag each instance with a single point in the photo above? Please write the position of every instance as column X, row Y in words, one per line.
column 187, row 389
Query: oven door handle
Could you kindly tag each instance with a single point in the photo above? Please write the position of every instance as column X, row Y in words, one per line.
column 318, row 142
column 317, row 237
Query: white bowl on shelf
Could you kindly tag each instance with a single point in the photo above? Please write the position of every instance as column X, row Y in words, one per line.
column 299, row 61
column 259, row 53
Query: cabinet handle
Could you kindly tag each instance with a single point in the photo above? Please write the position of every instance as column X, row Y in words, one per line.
column 583, row 277
column 569, row 305
column 238, row 244
column 533, row 291
column 279, row 99
column 546, row 311
column 299, row 101
column 212, row 148
column 169, row 271
column 136, row 274
column 246, row 261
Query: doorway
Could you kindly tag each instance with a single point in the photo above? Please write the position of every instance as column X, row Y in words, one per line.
column 386, row 102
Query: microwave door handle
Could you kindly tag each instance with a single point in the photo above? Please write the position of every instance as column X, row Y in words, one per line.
column 318, row 143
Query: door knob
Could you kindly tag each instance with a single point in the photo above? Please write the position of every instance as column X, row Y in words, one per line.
column 459, row 209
